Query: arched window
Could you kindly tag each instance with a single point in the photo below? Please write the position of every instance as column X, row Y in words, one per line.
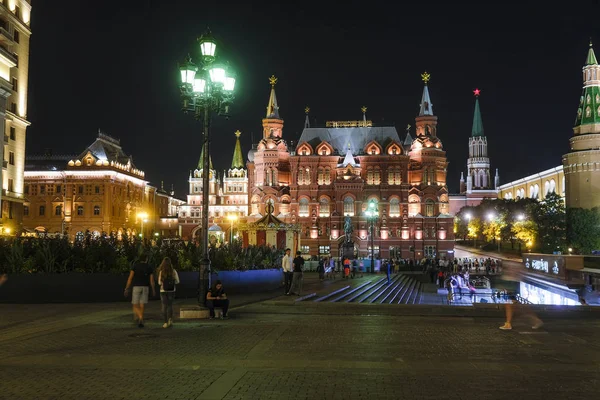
column 432, row 180
column 320, row 177
column 532, row 192
column 349, row 206
column 398, row 176
column 300, row 176
column 553, row 186
column 324, row 207
column 391, row 176
column 429, row 207
column 376, row 176
column 303, row 207
column 424, row 176
column 395, row 207
column 96, row 210
column 327, row 176
column 58, row 210
column 370, row 176
column 80, row 210
column 546, row 188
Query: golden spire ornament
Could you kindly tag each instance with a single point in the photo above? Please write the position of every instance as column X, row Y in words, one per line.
column 237, row 133
column 363, row 109
column 273, row 80
column 425, row 77
column 307, row 110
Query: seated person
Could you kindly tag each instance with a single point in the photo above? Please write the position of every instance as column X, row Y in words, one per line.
column 216, row 297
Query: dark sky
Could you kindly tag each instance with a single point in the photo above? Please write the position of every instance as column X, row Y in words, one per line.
column 114, row 66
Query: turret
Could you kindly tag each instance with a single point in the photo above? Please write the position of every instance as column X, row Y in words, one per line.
column 272, row 123
column 426, row 121
column 238, row 160
column 478, row 163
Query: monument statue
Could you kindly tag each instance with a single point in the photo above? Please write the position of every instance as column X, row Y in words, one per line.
column 348, row 229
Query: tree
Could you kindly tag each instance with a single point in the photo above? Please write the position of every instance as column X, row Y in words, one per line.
column 526, row 231
column 550, row 216
column 583, row 229
column 474, row 228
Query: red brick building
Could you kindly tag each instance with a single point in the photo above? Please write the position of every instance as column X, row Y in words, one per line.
column 335, row 171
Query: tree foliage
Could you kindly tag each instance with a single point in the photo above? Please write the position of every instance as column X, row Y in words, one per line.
column 109, row 255
column 583, row 229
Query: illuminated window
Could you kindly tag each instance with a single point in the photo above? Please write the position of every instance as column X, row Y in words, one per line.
column 324, row 250
column 429, row 207
column 370, row 176
column 96, row 210
column 320, row 180
column 80, row 210
column 376, row 176
column 588, row 112
column 395, row 207
column 424, row 180
column 349, row 206
column 324, row 207
column 305, row 249
column 303, row 207
column 327, row 176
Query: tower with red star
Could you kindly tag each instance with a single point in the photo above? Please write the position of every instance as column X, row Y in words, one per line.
column 478, row 163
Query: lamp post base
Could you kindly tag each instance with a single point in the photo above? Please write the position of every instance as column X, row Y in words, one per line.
column 203, row 282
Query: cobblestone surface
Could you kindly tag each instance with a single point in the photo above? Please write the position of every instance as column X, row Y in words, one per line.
column 286, row 352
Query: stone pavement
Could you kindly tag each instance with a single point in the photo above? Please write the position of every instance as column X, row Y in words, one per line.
column 281, row 349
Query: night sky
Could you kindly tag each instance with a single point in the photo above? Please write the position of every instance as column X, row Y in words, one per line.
column 114, row 66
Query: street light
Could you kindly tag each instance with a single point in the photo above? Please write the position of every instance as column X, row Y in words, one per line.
column 206, row 88
column 144, row 218
column 372, row 213
column 232, row 218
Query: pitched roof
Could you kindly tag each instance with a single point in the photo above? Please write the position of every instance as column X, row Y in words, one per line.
column 477, row 129
column 107, row 148
column 353, row 139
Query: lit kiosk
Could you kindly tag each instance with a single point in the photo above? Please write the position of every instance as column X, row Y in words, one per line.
column 271, row 231
column 205, row 89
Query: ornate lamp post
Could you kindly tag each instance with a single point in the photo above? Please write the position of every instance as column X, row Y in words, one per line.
column 143, row 218
column 372, row 214
column 232, row 218
column 206, row 88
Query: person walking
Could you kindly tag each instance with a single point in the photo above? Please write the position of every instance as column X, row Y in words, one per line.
column 296, row 287
column 321, row 269
column 288, row 273
column 527, row 312
column 141, row 278
column 167, row 280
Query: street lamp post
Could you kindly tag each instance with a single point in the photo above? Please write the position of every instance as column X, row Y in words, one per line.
column 205, row 89
column 143, row 218
column 372, row 214
column 232, row 218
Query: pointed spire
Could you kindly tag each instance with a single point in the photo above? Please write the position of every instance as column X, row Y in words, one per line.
column 591, row 57
column 201, row 161
column 364, row 111
column 426, row 106
column 462, row 178
column 172, row 190
column 307, row 120
column 408, row 140
column 272, row 107
column 238, row 159
column 477, row 129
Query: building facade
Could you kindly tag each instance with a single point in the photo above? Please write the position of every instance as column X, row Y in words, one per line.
column 325, row 182
column 228, row 199
column 15, row 31
column 536, row 186
column 99, row 191
column 582, row 164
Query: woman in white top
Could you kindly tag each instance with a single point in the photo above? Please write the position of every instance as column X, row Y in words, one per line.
column 167, row 279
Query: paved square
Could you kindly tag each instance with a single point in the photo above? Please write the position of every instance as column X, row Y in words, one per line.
column 278, row 350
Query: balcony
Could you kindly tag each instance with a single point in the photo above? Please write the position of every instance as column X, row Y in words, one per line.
column 8, row 57
column 5, row 36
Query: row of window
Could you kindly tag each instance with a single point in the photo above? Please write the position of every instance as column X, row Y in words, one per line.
column 51, row 189
column 373, row 176
column 349, row 207
column 58, row 210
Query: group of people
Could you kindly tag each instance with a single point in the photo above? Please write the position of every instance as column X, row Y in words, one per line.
column 141, row 281
column 292, row 272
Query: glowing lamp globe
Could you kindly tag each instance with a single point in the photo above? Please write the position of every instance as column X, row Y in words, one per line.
column 208, row 45
column 199, row 85
column 229, row 84
column 188, row 72
column 217, row 74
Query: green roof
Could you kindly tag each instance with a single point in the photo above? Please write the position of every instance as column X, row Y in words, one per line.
column 588, row 111
column 201, row 163
column 477, row 122
column 591, row 57
column 238, row 160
